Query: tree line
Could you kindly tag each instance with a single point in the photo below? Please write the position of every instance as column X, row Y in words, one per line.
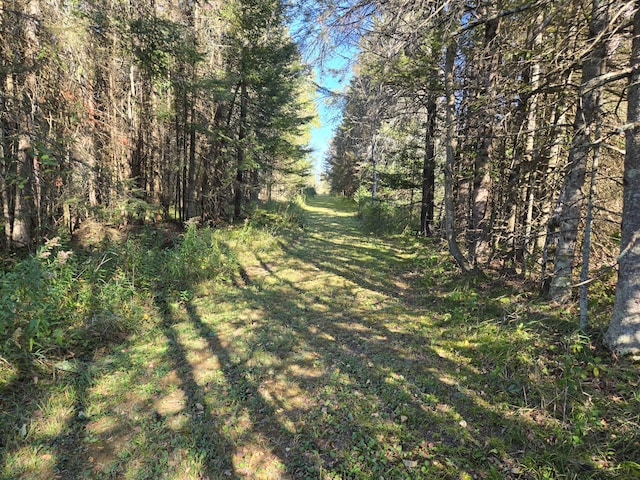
column 510, row 127
column 150, row 109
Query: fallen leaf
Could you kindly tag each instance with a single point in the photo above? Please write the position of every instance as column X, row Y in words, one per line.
column 403, row 418
column 410, row 463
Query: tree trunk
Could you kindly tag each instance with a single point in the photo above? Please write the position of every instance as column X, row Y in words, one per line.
column 191, row 182
column 374, row 163
column 6, row 164
column 623, row 335
column 530, row 144
column 241, row 154
column 23, row 206
column 482, row 176
column 454, row 249
column 428, row 171
column 572, row 195
column 547, row 225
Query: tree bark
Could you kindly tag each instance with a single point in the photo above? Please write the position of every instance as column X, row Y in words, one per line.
column 428, row 171
column 482, row 176
column 454, row 249
column 241, row 154
column 572, row 195
column 530, row 144
column 191, row 180
column 23, row 205
column 623, row 335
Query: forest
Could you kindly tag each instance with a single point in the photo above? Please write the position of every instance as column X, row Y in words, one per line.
column 183, row 294
column 506, row 127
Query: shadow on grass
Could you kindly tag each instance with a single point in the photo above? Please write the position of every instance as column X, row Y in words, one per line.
column 333, row 361
column 202, row 424
column 385, row 386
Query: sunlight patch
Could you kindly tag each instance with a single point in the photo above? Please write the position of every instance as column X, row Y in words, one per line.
column 204, row 365
column 353, row 327
column 172, row 403
column 280, row 393
column 54, row 416
column 306, row 372
column 102, row 425
column 254, row 460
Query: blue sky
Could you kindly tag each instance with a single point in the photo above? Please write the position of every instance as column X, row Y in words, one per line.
column 330, row 115
column 332, row 70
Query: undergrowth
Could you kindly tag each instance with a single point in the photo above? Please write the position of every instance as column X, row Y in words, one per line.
column 64, row 301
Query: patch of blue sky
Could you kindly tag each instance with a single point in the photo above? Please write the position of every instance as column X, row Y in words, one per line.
column 332, row 71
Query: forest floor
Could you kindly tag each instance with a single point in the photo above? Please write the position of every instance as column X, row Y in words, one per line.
column 331, row 353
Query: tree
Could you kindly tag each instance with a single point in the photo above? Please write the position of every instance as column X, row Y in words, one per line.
column 572, row 195
column 623, row 335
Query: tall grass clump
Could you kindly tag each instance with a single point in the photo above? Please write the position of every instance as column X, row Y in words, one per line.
column 58, row 301
column 35, row 296
column 276, row 217
column 197, row 257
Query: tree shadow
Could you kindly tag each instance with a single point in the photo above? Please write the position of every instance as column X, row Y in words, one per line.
column 379, row 367
column 203, row 424
column 329, row 363
column 367, row 385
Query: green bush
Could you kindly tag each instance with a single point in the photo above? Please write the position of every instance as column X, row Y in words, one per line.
column 197, row 257
column 309, row 192
column 276, row 217
column 34, row 297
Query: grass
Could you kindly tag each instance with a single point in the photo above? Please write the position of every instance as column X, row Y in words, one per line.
column 323, row 353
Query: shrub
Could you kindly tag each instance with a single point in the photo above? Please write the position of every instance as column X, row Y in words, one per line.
column 36, row 297
column 309, row 192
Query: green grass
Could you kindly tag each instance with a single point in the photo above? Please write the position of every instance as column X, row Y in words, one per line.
column 314, row 351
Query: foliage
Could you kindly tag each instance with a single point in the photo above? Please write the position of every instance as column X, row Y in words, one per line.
column 309, row 192
column 61, row 300
column 147, row 111
column 498, row 132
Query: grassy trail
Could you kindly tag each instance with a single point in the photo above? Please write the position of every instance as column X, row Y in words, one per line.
column 330, row 355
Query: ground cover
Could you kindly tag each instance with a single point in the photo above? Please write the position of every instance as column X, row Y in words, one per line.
column 321, row 351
